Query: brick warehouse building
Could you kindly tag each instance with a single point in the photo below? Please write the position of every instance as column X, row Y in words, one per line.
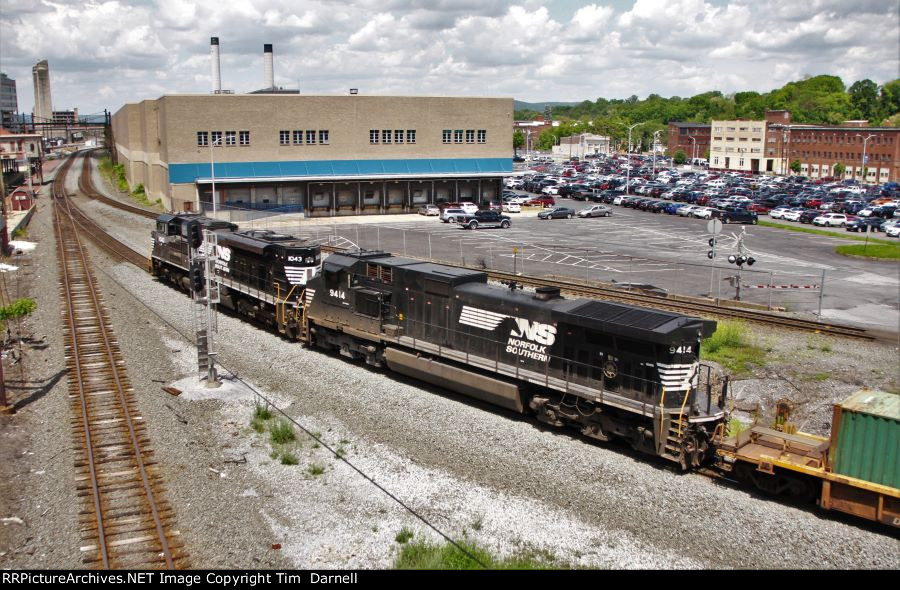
column 679, row 138
column 329, row 155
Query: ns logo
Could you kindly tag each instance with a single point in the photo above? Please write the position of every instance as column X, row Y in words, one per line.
column 540, row 333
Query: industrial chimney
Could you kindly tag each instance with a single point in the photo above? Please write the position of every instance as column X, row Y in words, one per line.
column 267, row 61
column 216, row 70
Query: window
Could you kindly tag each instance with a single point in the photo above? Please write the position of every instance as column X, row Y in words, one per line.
column 386, row 136
column 230, row 138
column 398, row 136
column 310, row 137
column 323, row 136
column 244, row 137
column 446, row 136
column 373, row 136
column 202, row 138
column 216, row 138
column 470, row 136
column 410, row 136
column 298, row 137
column 482, row 136
column 457, row 136
column 284, row 137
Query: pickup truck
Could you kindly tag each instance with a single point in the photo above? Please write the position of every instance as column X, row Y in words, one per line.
column 736, row 215
column 484, row 219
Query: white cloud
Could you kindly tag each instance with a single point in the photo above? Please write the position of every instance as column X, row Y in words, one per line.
column 104, row 53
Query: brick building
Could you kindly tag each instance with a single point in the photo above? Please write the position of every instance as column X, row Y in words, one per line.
column 691, row 138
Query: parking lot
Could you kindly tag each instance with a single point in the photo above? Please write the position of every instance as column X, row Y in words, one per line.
column 631, row 247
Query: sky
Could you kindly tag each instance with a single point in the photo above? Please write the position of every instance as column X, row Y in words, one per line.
column 105, row 53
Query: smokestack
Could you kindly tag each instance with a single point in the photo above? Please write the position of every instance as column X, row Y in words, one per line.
column 216, row 70
column 267, row 61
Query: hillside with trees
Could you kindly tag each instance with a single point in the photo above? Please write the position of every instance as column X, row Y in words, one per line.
column 814, row 100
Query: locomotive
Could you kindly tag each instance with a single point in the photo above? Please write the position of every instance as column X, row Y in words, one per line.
column 261, row 274
column 607, row 369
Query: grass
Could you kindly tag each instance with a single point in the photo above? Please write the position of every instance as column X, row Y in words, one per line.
column 22, row 232
column 735, row 427
column 425, row 556
column 288, row 458
column 315, row 469
column 260, row 415
column 341, row 452
column 730, row 346
column 281, row 432
column 116, row 175
column 404, row 535
column 870, row 250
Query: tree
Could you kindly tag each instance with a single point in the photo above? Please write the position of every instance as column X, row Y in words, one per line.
column 680, row 157
column 795, row 166
column 546, row 141
column 839, row 170
column 864, row 98
column 518, row 140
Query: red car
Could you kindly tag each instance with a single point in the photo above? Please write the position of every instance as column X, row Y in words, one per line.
column 759, row 208
column 547, row 201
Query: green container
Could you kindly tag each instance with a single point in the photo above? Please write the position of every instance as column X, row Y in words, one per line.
column 866, row 440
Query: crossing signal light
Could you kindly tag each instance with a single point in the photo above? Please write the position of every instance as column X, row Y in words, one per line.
column 750, row 261
column 710, row 254
column 196, row 277
column 195, row 235
column 712, row 242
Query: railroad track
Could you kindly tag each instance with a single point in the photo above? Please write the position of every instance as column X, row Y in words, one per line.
column 125, row 522
column 86, row 186
column 691, row 307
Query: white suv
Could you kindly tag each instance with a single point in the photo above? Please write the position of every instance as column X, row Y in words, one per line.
column 830, row 219
column 469, row 207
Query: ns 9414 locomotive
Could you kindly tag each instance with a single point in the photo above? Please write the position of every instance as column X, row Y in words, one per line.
column 261, row 274
column 607, row 369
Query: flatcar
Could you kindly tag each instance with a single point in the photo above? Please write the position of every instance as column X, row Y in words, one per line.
column 607, row 369
column 261, row 274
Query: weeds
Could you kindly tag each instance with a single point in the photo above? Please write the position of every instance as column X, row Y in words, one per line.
column 730, row 346
column 281, row 432
column 288, row 458
column 735, row 427
column 404, row 535
column 262, row 412
column 341, row 452
column 476, row 526
column 425, row 556
column 315, row 469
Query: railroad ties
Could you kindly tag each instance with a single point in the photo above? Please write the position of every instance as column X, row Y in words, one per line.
column 125, row 522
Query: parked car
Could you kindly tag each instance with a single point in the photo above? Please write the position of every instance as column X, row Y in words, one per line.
column 808, row 215
column 484, row 219
column 511, row 207
column 557, row 213
column 687, row 210
column 830, row 219
column 429, row 210
column 792, row 214
column 863, row 224
column 469, row 207
column 450, row 215
column 893, row 232
column 738, row 215
column 547, row 201
column 596, row 211
column 702, row 213
column 778, row 212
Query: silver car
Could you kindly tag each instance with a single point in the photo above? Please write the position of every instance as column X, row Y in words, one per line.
column 596, row 211
column 450, row 215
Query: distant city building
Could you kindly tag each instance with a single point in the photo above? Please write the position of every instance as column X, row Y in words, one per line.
column 533, row 129
column 65, row 117
column 680, row 138
column 43, row 102
column 9, row 102
column 17, row 149
column 581, row 145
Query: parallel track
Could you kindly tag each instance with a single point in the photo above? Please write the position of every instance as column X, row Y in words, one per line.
column 125, row 523
column 690, row 307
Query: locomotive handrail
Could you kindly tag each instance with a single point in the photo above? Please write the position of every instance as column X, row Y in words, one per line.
column 681, row 412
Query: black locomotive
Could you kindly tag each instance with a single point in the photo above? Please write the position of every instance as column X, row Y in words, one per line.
column 605, row 368
column 261, row 274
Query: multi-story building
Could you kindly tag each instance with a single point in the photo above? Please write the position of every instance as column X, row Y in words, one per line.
column 9, row 102
column 533, row 129
column 819, row 148
column 739, row 145
column 43, row 103
column 18, row 151
column 330, row 155
column 691, row 138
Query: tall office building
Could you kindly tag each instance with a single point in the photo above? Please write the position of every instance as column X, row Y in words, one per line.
column 43, row 103
column 9, row 104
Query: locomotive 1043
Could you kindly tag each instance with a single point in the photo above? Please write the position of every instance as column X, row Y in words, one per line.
column 607, row 369
column 261, row 274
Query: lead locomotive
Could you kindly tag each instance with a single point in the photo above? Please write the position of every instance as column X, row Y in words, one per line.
column 608, row 369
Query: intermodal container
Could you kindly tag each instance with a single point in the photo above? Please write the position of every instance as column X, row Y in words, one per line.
column 865, row 437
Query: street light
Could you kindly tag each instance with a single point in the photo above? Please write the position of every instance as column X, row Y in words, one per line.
column 693, row 149
column 655, row 140
column 865, row 141
column 628, row 161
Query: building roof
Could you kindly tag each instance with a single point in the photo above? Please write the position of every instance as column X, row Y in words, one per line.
column 680, row 124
